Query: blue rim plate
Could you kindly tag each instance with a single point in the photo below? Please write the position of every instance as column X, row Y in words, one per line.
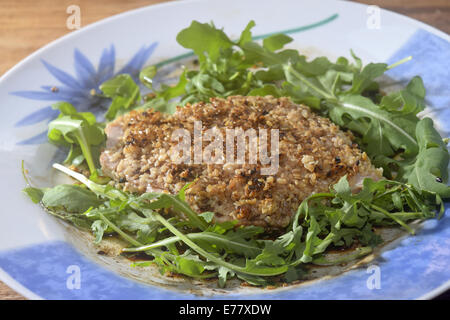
column 40, row 257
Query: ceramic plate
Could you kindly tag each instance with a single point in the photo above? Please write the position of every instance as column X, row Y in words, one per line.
column 40, row 256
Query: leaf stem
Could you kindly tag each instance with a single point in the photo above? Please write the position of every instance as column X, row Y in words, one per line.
column 265, row 271
column 192, row 215
column 399, row 62
column 86, row 151
column 95, row 187
column 304, row 206
column 299, row 76
column 211, row 237
column 400, row 222
column 119, row 231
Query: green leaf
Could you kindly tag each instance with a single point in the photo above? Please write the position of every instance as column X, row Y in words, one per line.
column 144, row 228
column 35, row 194
column 253, row 280
column 159, row 104
column 169, row 201
column 427, row 136
column 311, row 236
column 364, row 79
column 98, row 228
column 430, row 165
column 70, row 198
column 308, row 85
column 190, row 264
column 293, row 274
column 224, row 275
column 175, row 91
column 204, row 38
column 358, row 62
column 396, row 129
column 207, row 216
column 80, row 131
column 123, row 91
column 254, row 54
column 342, row 189
column 427, row 170
column 409, row 100
column 316, row 67
column 267, row 90
column 146, row 76
column 270, row 255
column 246, row 35
column 276, row 42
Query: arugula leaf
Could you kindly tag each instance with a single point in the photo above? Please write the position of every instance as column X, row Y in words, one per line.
column 276, row 42
column 98, row 228
column 293, row 274
column 427, row 136
column 409, row 100
column 204, row 38
column 397, row 130
column 123, row 91
column 146, row 76
column 224, row 275
column 246, row 34
column 365, row 79
column 35, row 194
column 79, row 131
column 267, row 90
column 429, row 171
column 191, row 264
column 70, row 198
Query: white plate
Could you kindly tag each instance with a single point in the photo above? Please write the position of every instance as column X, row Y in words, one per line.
column 39, row 255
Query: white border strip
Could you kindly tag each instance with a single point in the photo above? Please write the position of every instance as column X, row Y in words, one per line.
column 8, row 280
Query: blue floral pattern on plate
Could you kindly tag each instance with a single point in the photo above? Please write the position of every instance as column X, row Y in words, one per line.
column 80, row 89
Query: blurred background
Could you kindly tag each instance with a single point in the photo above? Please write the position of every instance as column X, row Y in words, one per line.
column 27, row 25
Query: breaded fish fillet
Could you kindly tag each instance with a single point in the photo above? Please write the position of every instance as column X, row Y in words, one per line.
column 313, row 154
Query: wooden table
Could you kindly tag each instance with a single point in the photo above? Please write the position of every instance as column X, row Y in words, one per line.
column 27, row 25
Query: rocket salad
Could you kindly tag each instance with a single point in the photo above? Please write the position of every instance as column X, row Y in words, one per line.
column 413, row 155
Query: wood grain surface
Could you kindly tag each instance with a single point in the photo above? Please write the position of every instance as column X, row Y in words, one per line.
column 27, row 25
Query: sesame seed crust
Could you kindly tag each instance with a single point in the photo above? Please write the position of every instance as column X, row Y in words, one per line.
column 313, row 154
